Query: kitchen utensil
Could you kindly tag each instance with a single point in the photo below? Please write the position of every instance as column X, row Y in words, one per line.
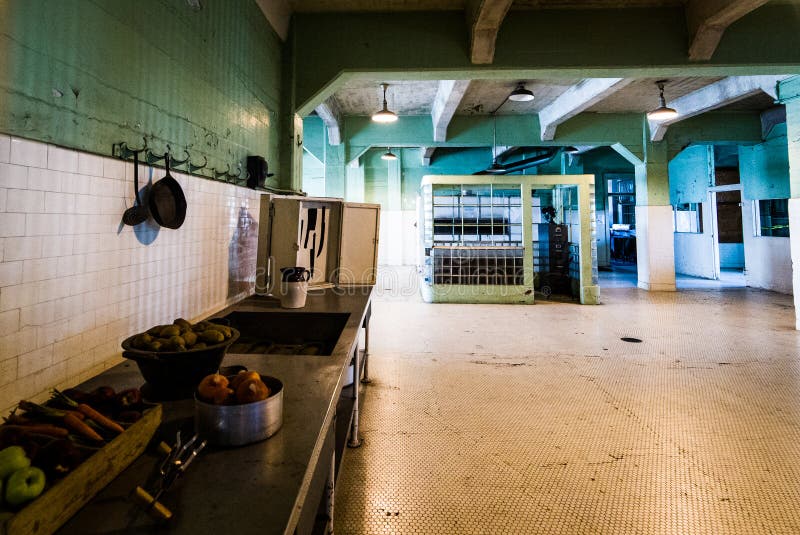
column 236, row 425
column 294, row 286
column 167, row 201
column 313, row 248
column 321, row 233
column 301, row 230
column 174, row 466
column 168, row 371
column 138, row 212
column 312, row 224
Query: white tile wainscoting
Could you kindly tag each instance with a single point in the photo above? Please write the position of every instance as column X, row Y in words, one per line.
column 74, row 281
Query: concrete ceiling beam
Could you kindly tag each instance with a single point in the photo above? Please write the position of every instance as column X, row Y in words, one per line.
column 329, row 112
column 714, row 96
column 445, row 104
column 707, row 20
column 576, row 99
column 484, row 18
column 427, row 156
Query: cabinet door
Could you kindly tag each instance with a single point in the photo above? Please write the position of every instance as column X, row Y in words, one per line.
column 358, row 253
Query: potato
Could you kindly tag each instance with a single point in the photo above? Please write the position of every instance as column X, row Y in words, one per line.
column 224, row 329
column 156, row 331
column 212, row 336
column 170, row 331
column 190, row 338
column 183, row 324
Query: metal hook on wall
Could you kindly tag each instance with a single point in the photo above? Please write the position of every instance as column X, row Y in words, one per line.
column 152, row 157
column 193, row 167
column 126, row 152
column 176, row 163
column 224, row 174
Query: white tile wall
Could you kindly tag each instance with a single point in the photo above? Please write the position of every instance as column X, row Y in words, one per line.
column 74, row 281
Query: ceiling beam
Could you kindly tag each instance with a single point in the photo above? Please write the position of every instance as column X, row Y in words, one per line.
column 484, row 18
column 714, row 96
column 445, row 104
column 707, row 20
column 427, row 155
column 332, row 117
column 576, row 99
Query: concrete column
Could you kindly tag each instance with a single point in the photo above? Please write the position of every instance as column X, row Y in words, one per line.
column 793, row 137
column 354, row 184
column 335, row 170
column 655, row 248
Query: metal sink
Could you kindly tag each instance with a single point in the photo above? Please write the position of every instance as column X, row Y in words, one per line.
column 286, row 333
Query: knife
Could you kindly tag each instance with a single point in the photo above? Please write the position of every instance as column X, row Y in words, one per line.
column 312, row 224
column 313, row 246
column 322, row 233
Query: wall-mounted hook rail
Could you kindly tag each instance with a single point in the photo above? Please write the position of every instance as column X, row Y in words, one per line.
column 152, row 157
column 193, row 167
column 122, row 150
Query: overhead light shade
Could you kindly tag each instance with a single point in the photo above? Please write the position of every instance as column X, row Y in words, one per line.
column 571, row 150
column 520, row 94
column 388, row 155
column 663, row 112
column 384, row 115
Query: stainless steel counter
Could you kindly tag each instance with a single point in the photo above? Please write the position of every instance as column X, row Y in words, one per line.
column 262, row 487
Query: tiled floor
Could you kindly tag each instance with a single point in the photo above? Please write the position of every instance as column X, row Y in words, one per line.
column 539, row 419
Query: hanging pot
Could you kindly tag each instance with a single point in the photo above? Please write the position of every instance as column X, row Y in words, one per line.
column 167, row 201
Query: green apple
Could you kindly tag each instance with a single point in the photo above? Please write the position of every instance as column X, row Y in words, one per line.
column 12, row 458
column 24, row 485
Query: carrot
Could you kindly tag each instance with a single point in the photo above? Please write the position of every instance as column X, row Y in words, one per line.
column 40, row 429
column 101, row 419
column 80, row 427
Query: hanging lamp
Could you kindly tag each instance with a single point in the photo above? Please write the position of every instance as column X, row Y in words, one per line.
column 495, row 166
column 663, row 112
column 384, row 115
column 521, row 94
column 388, row 155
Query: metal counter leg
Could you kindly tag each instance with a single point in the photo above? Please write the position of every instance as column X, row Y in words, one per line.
column 330, row 493
column 355, row 441
column 366, row 380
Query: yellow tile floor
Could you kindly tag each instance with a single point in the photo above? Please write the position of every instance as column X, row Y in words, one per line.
column 510, row 419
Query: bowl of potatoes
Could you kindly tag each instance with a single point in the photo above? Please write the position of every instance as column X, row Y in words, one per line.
column 177, row 356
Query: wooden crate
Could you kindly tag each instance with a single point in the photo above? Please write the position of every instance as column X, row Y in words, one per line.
column 55, row 506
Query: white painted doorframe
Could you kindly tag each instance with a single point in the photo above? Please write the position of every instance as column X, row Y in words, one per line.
column 712, row 196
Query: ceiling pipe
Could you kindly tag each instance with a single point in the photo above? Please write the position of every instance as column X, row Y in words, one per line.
column 520, row 165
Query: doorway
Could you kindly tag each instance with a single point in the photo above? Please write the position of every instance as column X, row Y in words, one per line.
column 728, row 244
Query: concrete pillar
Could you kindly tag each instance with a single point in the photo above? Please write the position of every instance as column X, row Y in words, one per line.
column 789, row 91
column 655, row 248
column 335, row 170
column 354, row 183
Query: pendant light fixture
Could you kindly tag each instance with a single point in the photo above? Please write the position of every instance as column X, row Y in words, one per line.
column 520, row 94
column 570, row 149
column 384, row 115
column 495, row 166
column 388, row 155
column 663, row 112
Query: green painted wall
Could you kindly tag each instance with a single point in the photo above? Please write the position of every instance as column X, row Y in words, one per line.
column 691, row 174
column 575, row 43
column 764, row 168
column 89, row 73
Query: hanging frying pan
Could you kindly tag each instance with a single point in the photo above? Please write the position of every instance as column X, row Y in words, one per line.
column 167, row 201
column 138, row 212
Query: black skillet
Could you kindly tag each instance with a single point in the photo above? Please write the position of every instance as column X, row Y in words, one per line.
column 167, row 201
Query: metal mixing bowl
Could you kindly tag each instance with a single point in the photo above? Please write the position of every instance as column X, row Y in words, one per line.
column 236, row 425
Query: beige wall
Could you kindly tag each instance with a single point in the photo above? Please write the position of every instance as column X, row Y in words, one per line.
column 74, row 281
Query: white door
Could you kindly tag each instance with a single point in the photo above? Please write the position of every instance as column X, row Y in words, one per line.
column 358, row 255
